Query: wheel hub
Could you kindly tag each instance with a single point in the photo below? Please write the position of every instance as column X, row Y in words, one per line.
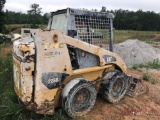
column 117, row 87
column 81, row 100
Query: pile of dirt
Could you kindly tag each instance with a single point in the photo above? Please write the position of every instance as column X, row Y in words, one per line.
column 136, row 52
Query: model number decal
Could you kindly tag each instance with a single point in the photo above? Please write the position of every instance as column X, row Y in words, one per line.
column 53, row 80
column 53, row 53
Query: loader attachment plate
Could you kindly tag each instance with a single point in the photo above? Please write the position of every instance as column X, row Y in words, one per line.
column 136, row 87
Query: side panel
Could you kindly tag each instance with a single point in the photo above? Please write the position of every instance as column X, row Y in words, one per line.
column 23, row 65
column 52, row 67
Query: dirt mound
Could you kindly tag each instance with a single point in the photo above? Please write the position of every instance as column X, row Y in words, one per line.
column 136, row 52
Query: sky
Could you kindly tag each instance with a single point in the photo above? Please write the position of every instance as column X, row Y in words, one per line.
column 53, row 5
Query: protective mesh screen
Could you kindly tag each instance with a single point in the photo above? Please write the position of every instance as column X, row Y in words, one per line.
column 93, row 30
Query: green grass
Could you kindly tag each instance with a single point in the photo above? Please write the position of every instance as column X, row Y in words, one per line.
column 154, row 65
column 148, row 77
column 154, row 80
column 122, row 35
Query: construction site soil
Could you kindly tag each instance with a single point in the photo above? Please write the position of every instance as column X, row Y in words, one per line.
column 142, row 107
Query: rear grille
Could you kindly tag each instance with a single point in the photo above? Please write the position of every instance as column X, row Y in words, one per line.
column 93, row 30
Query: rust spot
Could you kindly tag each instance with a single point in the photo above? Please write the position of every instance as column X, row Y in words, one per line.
column 27, row 68
column 55, row 38
column 30, row 106
column 46, row 108
column 65, row 68
column 48, row 111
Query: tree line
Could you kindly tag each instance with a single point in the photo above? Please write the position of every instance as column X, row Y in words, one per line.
column 139, row 20
column 135, row 20
column 33, row 16
column 2, row 15
column 124, row 19
column 12, row 17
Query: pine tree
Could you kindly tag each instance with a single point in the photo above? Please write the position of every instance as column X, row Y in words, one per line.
column 2, row 16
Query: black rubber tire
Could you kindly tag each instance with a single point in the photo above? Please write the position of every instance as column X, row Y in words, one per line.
column 107, row 90
column 69, row 106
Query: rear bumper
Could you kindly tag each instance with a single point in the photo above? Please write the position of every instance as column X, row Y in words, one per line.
column 46, row 108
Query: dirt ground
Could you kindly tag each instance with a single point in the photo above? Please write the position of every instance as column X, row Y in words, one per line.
column 143, row 107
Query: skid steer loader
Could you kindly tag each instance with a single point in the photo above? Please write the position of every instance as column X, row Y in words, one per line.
column 69, row 62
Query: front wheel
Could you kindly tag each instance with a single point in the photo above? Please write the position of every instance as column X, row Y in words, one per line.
column 116, row 87
column 78, row 97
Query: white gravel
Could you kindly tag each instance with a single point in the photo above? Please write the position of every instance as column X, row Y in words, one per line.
column 136, row 52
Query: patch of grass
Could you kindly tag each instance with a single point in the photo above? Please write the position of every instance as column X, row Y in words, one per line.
column 154, row 80
column 136, row 66
column 154, row 65
column 5, row 45
column 122, row 35
column 147, row 77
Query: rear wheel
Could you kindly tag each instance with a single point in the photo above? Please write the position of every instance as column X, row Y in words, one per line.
column 80, row 98
column 116, row 87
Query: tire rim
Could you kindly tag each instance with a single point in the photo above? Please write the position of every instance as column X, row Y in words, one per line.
column 81, row 100
column 118, row 87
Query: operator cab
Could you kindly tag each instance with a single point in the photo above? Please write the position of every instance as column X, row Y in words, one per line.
column 89, row 26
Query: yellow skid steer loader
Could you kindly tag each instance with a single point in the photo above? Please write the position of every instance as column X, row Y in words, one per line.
column 69, row 62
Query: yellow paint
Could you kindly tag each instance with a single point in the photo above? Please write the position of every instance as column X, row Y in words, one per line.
column 56, row 45
column 53, row 45
column 90, row 69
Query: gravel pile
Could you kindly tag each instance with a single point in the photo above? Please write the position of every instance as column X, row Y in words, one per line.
column 136, row 52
